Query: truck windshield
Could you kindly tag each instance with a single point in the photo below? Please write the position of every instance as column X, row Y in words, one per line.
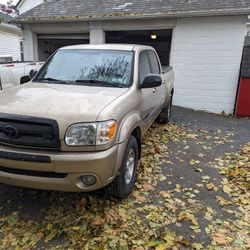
column 89, row 67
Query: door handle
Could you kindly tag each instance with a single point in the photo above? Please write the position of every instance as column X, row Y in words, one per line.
column 154, row 90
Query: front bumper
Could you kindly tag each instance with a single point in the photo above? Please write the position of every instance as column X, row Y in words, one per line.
column 59, row 171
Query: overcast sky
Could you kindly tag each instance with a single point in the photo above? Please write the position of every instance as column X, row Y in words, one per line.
column 5, row 1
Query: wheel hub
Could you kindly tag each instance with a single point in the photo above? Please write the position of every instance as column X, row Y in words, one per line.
column 130, row 166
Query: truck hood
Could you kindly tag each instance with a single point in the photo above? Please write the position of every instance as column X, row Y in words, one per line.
column 67, row 104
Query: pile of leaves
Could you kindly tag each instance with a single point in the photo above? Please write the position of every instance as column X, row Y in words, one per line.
column 236, row 184
column 152, row 216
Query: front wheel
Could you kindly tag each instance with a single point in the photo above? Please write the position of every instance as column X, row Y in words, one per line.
column 164, row 116
column 124, row 183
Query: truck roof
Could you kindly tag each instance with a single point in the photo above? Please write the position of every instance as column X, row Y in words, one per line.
column 124, row 47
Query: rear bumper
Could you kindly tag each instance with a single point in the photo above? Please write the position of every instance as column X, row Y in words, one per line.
column 39, row 171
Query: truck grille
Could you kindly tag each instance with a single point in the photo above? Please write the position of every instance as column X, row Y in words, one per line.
column 31, row 132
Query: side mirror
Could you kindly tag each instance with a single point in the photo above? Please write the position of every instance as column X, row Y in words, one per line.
column 24, row 79
column 32, row 73
column 151, row 81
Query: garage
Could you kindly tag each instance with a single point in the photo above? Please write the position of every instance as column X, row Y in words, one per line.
column 159, row 39
column 204, row 46
column 48, row 44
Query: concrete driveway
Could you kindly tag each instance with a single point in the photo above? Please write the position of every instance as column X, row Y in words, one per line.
column 177, row 204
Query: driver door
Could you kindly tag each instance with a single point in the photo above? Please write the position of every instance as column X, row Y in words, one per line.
column 149, row 102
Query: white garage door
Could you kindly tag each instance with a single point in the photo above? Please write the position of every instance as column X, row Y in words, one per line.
column 206, row 56
column 10, row 45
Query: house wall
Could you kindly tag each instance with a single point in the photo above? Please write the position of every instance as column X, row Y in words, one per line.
column 206, row 56
column 30, row 45
column 10, row 44
column 26, row 5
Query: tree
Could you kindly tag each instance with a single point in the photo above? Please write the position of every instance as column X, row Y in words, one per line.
column 8, row 8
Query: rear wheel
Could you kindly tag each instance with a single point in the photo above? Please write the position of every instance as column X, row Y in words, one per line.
column 124, row 183
column 164, row 116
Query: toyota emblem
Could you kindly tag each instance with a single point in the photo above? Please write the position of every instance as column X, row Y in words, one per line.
column 10, row 132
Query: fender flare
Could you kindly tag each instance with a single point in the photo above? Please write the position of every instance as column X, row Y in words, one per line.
column 129, row 124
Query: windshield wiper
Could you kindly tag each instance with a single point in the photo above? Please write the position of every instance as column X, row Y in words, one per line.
column 50, row 79
column 110, row 84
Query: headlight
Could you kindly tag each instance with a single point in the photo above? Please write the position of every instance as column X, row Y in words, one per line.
column 90, row 134
column 81, row 134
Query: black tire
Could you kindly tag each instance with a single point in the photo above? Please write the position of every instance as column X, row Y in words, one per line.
column 165, row 115
column 120, row 188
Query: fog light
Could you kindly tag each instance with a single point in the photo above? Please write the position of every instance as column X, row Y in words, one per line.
column 88, row 180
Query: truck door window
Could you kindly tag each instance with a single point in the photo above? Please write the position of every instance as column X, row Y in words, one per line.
column 154, row 63
column 144, row 66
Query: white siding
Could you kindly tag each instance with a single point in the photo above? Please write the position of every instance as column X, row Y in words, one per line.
column 206, row 56
column 10, row 45
column 26, row 5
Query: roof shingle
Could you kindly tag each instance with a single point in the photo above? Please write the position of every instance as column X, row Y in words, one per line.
column 55, row 10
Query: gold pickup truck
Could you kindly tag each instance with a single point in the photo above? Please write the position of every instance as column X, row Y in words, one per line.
column 77, row 126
